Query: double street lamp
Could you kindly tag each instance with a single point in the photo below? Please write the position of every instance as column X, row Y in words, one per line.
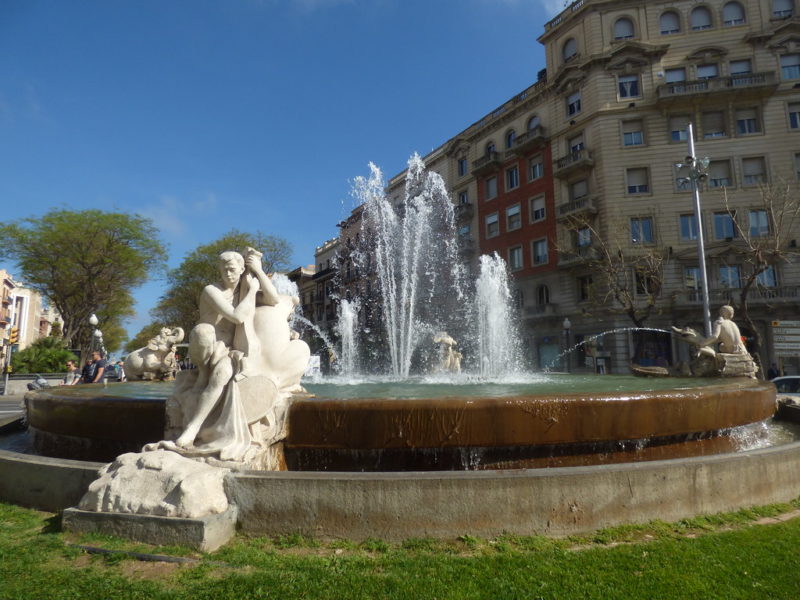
column 97, row 335
column 697, row 169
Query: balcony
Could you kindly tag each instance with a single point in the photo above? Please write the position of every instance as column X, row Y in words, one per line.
column 756, row 296
column 486, row 164
column 745, row 84
column 576, row 256
column 578, row 207
column 533, row 138
column 466, row 246
column 572, row 162
column 464, row 211
column 541, row 311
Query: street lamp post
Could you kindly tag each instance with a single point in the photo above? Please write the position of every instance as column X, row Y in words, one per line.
column 698, row 171
column 567, row 325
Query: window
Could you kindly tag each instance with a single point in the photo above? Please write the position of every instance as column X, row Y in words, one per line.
column 747, row 121
column 463, row 167
column 642, row 230
column 512, row 178
column 463, row 197
column 513, row 218
column 670, row 23
column 573, row 104
column 628, row 86
column 492, row 226
column 575, row 144
column 464, row 231
column 732, row 14
column 790, row 66
column 537, row 209
column 632, row 134
column 700, row 18
column 533, row 122
column 794, row 115
column 583, row 238
column 713, row 124
column 539, row 248
column 724, row 226
column 707, row 71
column 688, row 227
column 729, row 276
column 535, row 168
column 719, row 174
column 741, row 67
column 782, row 8
column 579, row 189
column 754, row 170
column 797, row 166
column 675, row 75
column 542, row 295
column 584, row 288
column 679, row 128
column 490, row 148
column 637, row 180
column 491, row 188
column 767, row 278
column 645, row 283
column 691, row 278
column 511, row 135
column 623, row 29
column 515, row 258
column 570, row 49
column 759, row 224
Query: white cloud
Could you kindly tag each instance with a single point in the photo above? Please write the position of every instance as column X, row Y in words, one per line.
column 168, row 214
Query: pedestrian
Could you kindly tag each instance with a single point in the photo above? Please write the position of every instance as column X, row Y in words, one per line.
column 87, row 372
column 773, row 372
column 98, row 367
column 73, row 375
column 121, row 371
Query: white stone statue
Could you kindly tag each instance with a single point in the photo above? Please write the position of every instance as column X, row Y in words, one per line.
column 157, row 359
column 731, row 357
column 232, row 408
column 449, row 357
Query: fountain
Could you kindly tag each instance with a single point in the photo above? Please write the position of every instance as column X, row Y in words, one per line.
column 488, row 451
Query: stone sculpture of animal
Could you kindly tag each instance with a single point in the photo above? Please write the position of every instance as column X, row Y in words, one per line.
column 157, row 359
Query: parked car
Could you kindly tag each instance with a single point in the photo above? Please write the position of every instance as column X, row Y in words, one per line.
column 789, row 384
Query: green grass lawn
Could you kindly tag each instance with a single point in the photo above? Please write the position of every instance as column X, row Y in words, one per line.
column 724, row 556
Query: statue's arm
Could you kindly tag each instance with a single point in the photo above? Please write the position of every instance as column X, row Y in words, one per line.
column 269, row 295
column 213, row 296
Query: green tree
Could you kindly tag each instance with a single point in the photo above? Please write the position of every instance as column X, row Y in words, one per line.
column 45, row 355
column 85, row 262
column 178, row 306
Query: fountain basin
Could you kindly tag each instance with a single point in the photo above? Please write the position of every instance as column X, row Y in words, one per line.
column 454, row 431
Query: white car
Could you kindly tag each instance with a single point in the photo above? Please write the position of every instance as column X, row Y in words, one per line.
column 789, row 384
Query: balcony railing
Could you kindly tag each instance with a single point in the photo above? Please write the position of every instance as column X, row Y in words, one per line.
column 577, row 255
column 541, row 310
column 732, row 83
column 573, row 161
column 584, row 204
column 485, row 164
column 528, row 141
column 464, row 211
column 761, row 295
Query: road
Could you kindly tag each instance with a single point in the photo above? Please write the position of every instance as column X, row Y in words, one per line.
column 10, row 406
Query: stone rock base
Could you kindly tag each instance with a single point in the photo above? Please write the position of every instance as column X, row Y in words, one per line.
column 202, row 533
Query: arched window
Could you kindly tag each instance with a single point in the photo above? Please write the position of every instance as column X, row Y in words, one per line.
column 782, row 8
column 670, row 23
column 570, row 49
column 542, row 295
column 732, row 14
column 490, row 148
column 511, row 135
column 533, row 122
column 623, row 29
column 700, row 18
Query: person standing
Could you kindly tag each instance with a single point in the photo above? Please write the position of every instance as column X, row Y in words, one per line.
column 98, row 367
column 73, row 376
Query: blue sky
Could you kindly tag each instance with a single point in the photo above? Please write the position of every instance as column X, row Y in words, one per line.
column 208, row 115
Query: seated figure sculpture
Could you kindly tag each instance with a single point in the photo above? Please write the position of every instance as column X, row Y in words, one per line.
column 232, row 406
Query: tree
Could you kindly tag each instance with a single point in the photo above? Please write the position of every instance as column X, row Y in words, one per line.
column 85, row 262
column 623, row 268
column 45, row 355
column 178, row 306
column 763, row 243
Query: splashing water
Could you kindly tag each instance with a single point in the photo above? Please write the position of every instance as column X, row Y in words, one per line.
column 346, row 328
column 499, row 345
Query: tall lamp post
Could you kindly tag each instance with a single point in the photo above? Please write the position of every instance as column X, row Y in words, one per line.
column 97, row 335
column 698, row 171
column 567, row 325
